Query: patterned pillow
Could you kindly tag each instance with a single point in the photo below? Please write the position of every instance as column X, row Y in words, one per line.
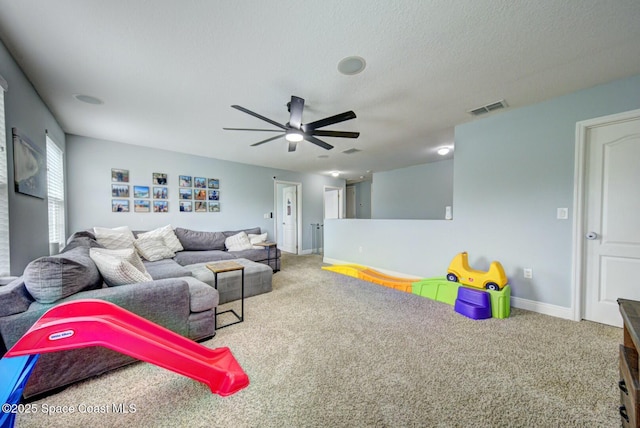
column 119, row 267
column 257, row 239
column 152, row 248
column 238, row 242
column 114, row 239
column 168, row 235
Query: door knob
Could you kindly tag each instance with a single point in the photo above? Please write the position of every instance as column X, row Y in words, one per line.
column 591, row 236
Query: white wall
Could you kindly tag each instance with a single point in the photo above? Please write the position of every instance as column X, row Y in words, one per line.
column 512, row 171
column 246, row 191
column 416, row 192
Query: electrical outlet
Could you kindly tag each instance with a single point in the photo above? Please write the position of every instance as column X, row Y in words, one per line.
column 360, row 249
column 562, row 213
column 528, row 273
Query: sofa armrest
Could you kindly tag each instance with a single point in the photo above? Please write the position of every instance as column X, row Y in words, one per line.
column 164, row 302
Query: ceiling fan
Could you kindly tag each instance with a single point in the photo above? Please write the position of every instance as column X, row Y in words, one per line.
column 295, row 131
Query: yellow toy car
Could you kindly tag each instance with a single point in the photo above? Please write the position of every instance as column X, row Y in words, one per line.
column 460, row 271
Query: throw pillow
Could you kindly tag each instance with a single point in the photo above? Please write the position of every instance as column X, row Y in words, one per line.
column 257, row 239
column 238, row 242
column 168, row 235
column 152, row 248
column 114, row 239
column 119, row 267
column 55, row 277
column 194, row 240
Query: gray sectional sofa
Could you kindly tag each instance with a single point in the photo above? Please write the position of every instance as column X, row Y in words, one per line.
column 172, row 298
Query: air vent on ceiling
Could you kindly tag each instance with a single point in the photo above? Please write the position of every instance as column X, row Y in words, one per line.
column 488, row 108
column 351, row 151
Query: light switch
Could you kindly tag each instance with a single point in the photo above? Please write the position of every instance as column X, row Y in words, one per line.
column 563, row 213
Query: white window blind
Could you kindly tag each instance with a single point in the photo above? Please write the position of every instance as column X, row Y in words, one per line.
column 5, row 266
column 55, row 195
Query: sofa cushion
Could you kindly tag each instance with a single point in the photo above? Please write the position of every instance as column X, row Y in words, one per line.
column 199, row 240
column 166, row 268
column 257, row 239
column 238, row 242
column 190, row 257
column 253, row 231
column 114, row 239
column 14, row 298
column 168, row 235
column 54, row 277
column 120, row 267
column 202, row 297
column 152, row 248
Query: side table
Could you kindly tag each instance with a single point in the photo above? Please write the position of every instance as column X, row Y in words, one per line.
column 221, row 267
column 268, row 246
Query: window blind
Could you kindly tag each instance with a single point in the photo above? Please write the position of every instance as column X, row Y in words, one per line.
column 5, row 266
column 55, row 193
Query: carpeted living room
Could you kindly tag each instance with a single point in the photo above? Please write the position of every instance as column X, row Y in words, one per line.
column 288, row 185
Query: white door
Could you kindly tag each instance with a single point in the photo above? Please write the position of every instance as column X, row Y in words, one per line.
column 612, row 222
column 331, row 203
column 351, row 201
column 289, row 219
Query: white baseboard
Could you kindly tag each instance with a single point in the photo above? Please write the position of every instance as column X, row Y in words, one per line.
column 310, row 251
column 516, row 302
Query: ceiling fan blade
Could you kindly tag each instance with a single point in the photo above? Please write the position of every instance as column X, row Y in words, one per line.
column 252, row 129
column 318, row 142
column 267, row 140
column 292, row 146
column 342, row 134
column 347, row 115
column 266, row 119
column 295, row 108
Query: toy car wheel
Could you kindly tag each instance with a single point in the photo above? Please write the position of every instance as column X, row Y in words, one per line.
column 492, row 286
column 451, row 277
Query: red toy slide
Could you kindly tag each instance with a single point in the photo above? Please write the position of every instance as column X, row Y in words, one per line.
column 92, row 322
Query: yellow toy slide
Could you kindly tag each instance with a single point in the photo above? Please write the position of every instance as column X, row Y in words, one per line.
column 372, row 275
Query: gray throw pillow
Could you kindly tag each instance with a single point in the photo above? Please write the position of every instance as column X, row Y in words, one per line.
column 194, row 240
column 55, row 277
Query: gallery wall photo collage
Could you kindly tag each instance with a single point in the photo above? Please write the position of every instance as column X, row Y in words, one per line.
column 195, row 194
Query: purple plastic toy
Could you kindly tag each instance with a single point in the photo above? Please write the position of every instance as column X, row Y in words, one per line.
column 474, row 304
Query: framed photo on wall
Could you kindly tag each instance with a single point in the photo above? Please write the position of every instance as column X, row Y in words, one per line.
column 160, row 206
column 160, row 192
column 120, row 175
column 140, row 191
column 141, row 206
column 120, row 205
column 185, row 180
column 120, row 190
column 214, row 183
column 29, row 166
column 200, row 182
column 185, row 207
column 214, row 195
column 186, row 194
column 214, row 207
column 159, row 178
column 201, row 207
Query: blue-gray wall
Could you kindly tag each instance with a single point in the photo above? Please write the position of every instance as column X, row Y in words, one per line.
column 416, row 192
column 363, row 199
column 246, row 191
column 512, row 171
column 28, row 216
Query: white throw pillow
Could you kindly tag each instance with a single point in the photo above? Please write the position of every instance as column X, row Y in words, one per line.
column 257, row 239
column 119, row 267
column 152, row 248
column 114, row 239
column 168, row 235
column 238, row 242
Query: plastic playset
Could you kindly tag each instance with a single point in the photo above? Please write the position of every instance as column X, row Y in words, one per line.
column 472, row 293
column 91, row 322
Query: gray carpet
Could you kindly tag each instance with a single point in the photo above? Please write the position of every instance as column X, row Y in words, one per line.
column 327, row 350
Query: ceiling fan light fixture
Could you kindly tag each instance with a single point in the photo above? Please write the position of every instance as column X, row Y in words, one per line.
column 351, row 65
column 442, row 151
column 294, row 136
column 335, row 173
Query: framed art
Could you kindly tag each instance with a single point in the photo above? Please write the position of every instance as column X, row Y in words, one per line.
column 214, row 183
column 201, row 207
column 29, row 166
column 141, row 206
column 160, row 192
column 120, row 190
column 160, row 206
column 120, row 205
column 140, row 191
column 159, row 178
column 200, row 182
column 200, row 194
column 214, row 207
column 120, row 175
column 185, row 180
column 186, row 193
column 185, row 207
column 214, row 195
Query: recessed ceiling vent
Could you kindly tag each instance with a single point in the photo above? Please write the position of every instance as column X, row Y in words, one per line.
column 351, row 151
column 488, row 108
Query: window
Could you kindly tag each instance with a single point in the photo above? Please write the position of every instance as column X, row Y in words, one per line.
column 55, row 195
column 5, row 266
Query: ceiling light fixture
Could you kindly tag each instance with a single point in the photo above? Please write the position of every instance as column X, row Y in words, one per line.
column 351, row 65
column 443, row 151
column 335, row 173
column 293, row 136
column 88, row 99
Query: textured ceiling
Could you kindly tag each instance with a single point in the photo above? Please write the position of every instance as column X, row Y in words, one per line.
column 168, row 71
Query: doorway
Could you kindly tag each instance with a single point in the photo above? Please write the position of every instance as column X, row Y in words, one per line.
column 333, row 202
column 607, row 227
column 288, row 209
